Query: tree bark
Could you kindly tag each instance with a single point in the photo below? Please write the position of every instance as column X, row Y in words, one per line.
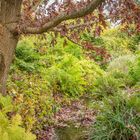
column 9, row 18
column 8, row 44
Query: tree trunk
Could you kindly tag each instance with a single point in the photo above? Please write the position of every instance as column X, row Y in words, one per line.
column 9, row 18
column 7, row 46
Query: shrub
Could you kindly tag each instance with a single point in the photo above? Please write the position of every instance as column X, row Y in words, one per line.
column 66, row 77
column 118, row 119
column 135, row 71
column 27, row 59
column 10, row 128
column 31, row 95
column 55, row 54
column 122, row 64
column 119, row 69
column 106, row 85
column 26, row 51
column 71, row 75
column 116, row 42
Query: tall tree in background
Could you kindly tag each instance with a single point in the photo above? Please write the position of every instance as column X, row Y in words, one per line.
column 39, row 16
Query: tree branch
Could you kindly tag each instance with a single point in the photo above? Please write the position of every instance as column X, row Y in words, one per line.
column 63, row 17
column 36, row 5
column 72, row 27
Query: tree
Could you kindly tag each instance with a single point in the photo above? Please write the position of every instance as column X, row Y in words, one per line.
column 38, row 16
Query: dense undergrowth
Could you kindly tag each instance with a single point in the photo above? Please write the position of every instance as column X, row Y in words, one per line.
column 44, row 78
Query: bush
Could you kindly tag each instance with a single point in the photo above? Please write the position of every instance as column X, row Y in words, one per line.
column 135, row 71
column 120, row 67
column 71, row 75
column 10, row 128
column 55, row 54
column 122, row 64
column 31, row 95
column 116, row 42
column 27, row 59
column 107, row 85
column 26, row 51
column 118, row 119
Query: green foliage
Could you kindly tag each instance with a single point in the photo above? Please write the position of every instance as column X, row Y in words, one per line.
column 26, row 52
column 107, row 85
column 37, row 78
column 116, row 41
column 119, row 114
column 55, row 54
column 66, row 69
column 125, row 68
column 33, row 92
column 75, row 50
column 118, row 119
column 66, row 77
column 46, row 77
column 135, row 42
column 27, row 58
column 10, row 129
column 135, row 71
column 71, row 75
column 122, row 63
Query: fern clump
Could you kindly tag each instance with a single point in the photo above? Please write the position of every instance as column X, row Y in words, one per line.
column 72, row 76
column 27, row 58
